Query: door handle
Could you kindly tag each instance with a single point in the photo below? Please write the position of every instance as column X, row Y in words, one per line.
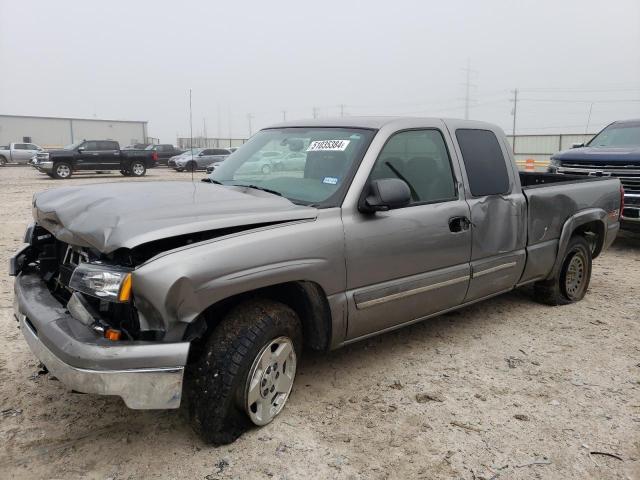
column 459, row 224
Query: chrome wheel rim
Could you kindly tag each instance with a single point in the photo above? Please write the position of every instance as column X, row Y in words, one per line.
column 270, row 380
column 63, row 171
column 574, row 279
column 138, row 169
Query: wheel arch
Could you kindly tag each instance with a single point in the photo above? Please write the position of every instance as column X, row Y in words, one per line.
column 307, row 298
column 590, row 223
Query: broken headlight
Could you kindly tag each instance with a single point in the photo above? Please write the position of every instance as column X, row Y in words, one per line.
column 106, row 282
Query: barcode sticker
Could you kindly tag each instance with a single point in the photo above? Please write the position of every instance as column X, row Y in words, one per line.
column 328, row 146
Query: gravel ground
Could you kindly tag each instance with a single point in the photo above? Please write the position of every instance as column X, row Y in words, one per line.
column 504, row 389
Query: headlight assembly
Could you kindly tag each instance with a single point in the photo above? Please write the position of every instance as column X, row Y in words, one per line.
column 106, row 282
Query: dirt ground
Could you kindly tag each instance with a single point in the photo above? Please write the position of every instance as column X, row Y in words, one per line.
column 504, row 389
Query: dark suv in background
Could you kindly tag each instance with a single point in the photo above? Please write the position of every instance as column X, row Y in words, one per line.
column 165, row 152
column 614, row 152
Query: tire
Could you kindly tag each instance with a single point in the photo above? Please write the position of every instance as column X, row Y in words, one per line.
column 3, row 160
column 137, row 169
column 235, row 365
column 191, row 166
column 571, row 283
column 62, row 170
column 266, row 169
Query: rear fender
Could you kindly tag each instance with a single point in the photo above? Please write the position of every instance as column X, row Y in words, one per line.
column 572, row 224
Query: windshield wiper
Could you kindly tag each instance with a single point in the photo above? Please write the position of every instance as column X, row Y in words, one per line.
column 268, row 190
column 210, row 180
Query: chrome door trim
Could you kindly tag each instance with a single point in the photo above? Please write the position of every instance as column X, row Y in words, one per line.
column 408, row 293
column 497, row 268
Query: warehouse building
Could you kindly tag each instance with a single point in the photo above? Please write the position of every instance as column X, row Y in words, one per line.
column 53, row 132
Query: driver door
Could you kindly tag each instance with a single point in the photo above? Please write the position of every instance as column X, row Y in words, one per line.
column 88, row 156
column 410, row 262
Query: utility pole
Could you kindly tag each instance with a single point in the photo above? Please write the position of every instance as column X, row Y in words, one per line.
column 284, row 115
column 249, row 118
column 514, row 112
column 204, row 131
column 467, row 87
column 342, row 109
column 315, row 112
column 219, row 122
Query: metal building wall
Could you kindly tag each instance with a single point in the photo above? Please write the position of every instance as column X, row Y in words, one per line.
column 539, row 148
column 51, row 132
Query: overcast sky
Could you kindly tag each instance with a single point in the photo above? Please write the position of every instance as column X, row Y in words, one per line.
column 137, row 60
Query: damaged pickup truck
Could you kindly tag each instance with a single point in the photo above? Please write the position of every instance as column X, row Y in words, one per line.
column 210, row 290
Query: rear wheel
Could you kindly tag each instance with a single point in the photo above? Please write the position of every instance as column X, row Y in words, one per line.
column 245, row 372
column 3, row 160
column 571, row 283
column 137, row 169
column 62, row 171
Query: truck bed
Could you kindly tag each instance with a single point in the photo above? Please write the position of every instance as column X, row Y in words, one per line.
column 553, row 197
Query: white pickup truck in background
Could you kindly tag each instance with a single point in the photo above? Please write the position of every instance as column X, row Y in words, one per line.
column 18, row 153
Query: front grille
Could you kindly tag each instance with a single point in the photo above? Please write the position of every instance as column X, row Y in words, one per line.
column 628, row 172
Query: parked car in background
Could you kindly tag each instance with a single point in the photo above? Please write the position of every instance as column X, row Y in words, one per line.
column 211, row 289
column 98, row 155
column 614, row 152
column 165, row 152
column 20, row 153
column 198, row 161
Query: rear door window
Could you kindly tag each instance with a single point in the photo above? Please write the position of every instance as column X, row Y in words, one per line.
column 484, row 162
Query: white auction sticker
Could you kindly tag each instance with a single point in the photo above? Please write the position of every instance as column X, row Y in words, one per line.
column 328, row 145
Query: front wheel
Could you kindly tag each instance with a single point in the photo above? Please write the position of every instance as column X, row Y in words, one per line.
column 137, row 169
column 3, row 161
column 191, row 167
column 62, row 171
column 245, row 371
column 572, row 281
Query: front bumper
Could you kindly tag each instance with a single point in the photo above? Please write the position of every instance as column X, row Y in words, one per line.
column 44, row 166
column 631, row 213
column 146, row 375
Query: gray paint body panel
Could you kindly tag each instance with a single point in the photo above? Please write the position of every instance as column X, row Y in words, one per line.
column 378, row 271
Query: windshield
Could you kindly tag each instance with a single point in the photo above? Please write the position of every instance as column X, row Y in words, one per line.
column 320, row 171
column 73, row 146
column 618, row 135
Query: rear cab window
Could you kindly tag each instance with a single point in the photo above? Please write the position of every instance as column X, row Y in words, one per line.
column 484, row 162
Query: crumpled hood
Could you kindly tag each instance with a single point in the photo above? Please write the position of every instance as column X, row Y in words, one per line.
column 115, row 215
column 609, row 154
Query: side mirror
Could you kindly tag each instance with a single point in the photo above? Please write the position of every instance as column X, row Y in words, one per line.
column 81, row 149
column 577, row 145
column 386, row 194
